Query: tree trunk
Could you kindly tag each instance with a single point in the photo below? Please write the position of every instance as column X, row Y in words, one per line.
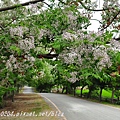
column 5, row 95
column 74, row 91
column 66, row 90
column 13, row 93
column 71, row 90
column 18, row 88
column 63, row 90
column 119, row 69
column 90, row 90
column 118, row 98
column 112, row 97
column 2, row 102
column 100, row 97
column 58, row 88
column 81, row 91
column 89, row 93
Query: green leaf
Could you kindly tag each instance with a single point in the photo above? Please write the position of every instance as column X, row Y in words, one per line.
column 118, row 57
column 11, row 81
column 11, row 88
column 16, row 49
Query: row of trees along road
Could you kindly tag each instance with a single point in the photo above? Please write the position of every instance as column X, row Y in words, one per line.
column 47, row 43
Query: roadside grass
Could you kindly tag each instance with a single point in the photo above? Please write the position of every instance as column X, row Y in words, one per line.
column 109, row 104
column 105, row 93
column 26, row 106
column 106, row 96
column 84, row 91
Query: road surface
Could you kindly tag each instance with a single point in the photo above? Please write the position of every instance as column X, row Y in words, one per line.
column 27, row 90
column 79, row 109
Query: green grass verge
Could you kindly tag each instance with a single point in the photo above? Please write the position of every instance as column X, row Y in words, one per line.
column 105, row 93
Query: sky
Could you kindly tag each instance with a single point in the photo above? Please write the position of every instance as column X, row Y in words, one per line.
column 97, row 15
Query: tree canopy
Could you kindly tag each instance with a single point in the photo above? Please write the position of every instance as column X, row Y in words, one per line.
column 45, row 43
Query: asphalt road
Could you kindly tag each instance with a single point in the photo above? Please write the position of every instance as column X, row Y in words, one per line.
column 27, row 90
column 79, row 109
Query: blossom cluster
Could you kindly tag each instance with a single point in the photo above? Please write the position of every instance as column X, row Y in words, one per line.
column 23, row 47
column 108, row 3
column 73, row 77
column 26, row 44
column 88, row 52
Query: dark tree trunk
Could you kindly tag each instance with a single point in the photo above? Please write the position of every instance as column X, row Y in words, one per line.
column 18, row 88
column 66, row 90
column 112, row 97
column 48, row 56
column 13, row 93
column 5, row 95
column 118, row 98
column 100, row 97
column 2, row 104
column 81, row 91
column 74, row 91
column 63, row 90
column 90, row 91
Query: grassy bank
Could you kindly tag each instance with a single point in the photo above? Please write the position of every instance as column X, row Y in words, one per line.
column 28, row 107
column 105, row 93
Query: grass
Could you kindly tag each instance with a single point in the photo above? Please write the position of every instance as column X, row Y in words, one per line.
column 84, row 91
column 105, row 93
column 28, row 104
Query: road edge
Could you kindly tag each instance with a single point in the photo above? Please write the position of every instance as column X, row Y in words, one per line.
column 64, row 118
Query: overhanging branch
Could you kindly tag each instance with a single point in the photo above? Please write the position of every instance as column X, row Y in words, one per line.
column 2, row 27
column 48, row 56
column 111, row 20
column 80, row 1
column 40, row 56
column 97, row 20
column 97, row 10
column 18, row 5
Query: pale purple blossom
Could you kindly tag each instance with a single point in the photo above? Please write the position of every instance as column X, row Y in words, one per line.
column 69, row 36
column 73, row 77
column 17, row 31
column 26, row 44
column 34, row 8
column 115, row 45
column 9, row 65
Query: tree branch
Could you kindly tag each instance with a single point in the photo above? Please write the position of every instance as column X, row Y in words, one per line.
column 47, row 4
column 18, row 5
column 2, row 27
column 97, row 20
column 97, row 10
column 80, row 1
column 62, row 2
column 111, row 21
column 48, row 56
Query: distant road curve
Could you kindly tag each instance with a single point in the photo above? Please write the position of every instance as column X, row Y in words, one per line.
column 27, row 89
